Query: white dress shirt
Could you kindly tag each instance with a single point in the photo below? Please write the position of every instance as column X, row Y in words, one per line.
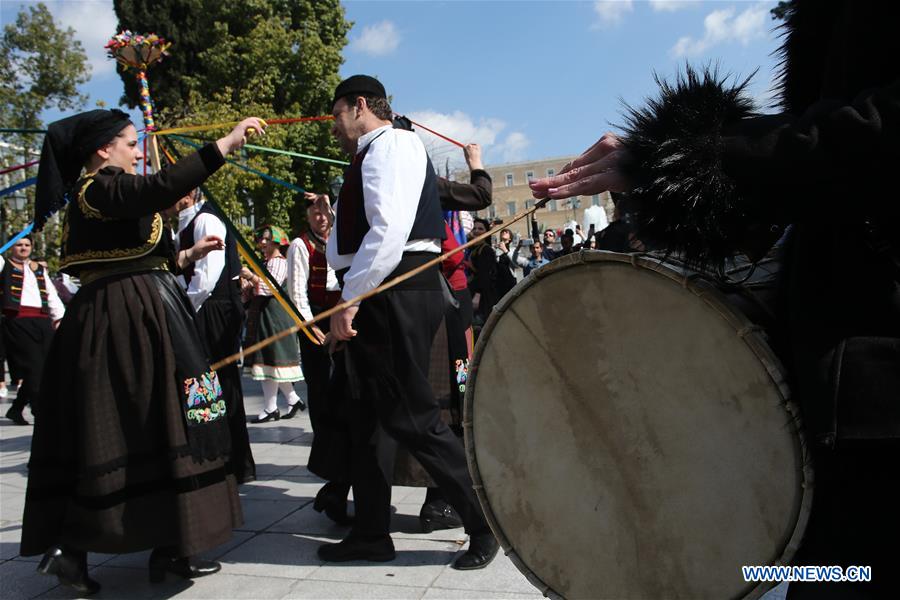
column 208, row 269
column 393, row 173
column 298, row 278
column 31, row 294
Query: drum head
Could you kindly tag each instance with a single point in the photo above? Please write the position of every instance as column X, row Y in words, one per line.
column 630, row 435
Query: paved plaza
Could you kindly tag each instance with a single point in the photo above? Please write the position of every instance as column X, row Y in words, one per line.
column 273, row 555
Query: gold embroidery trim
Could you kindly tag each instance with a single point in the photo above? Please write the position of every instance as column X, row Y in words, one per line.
column 89, row 211
column 89, row 256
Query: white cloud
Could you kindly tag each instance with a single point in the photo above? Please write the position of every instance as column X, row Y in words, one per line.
column 672, row 5
column 463, row 128
column 722, row 26
column 94, row 22
column 379, row 39
column 513, row 148
column 611, row 12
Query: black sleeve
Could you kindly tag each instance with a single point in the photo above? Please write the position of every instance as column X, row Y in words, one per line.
column 475, row 195
column 118, row 194
column 704, row 166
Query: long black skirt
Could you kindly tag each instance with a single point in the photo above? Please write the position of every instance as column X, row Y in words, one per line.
column 130, row 442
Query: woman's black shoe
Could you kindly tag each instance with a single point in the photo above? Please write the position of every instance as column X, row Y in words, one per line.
column 270, row 416
column 70, row 568
column 185, row 567
column 437, row 514
column 332, row 499
column 294, row 408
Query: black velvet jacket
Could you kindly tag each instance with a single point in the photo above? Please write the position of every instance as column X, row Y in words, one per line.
column 113, row 215
column 709, row 170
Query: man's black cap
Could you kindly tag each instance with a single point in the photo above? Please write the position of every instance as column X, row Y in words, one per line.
column 362, row 85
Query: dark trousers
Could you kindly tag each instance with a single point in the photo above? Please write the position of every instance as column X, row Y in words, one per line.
column 27, row 342
column 389, row 359
column 329, row 456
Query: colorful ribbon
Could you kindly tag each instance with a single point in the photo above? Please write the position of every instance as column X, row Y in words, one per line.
column 17, row 167
column 15, row 188
column 278, row 151
column 230, row 124
column 265, row 176
column 16, row 238
column 443, row 137
column 248, row 255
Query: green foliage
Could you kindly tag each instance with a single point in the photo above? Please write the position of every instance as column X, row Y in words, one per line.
column 41, row 67
column 780, row 11
column 235, row 58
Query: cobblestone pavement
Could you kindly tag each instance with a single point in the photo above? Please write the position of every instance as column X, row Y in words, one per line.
column 273, row 555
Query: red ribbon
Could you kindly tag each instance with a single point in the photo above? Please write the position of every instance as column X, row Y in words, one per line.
column 443, row 137
column 17, row 167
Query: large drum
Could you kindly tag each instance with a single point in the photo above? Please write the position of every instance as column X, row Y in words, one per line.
column 630, row 434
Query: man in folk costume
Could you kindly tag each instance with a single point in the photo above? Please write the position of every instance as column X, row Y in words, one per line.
column 213, row 287
column 31, row 310
column 313, row 287
column 389, row 221
column 131, row 438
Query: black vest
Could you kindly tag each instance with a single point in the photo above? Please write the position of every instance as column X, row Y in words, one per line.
column 226, row 287
column 90, row 239
column 13, row 280
column 352, row 224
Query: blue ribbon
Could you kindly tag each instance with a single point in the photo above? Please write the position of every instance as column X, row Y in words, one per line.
column 15, row 188
column 17, row 237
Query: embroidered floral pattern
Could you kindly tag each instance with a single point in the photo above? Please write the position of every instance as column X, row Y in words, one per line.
column 203, row 398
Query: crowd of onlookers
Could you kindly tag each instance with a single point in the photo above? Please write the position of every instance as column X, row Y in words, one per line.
column 494, row 266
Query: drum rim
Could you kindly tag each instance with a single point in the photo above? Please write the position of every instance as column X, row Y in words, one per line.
column 698, row 284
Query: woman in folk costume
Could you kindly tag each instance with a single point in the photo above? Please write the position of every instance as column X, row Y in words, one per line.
column 130, row 442
column 277, row 365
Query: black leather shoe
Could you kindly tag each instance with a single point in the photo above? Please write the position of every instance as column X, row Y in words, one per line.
column 332, row 499
column 185, row 567
column 482, row 550
column 70, row 568
column 16, row 417
column 437, row 514
column 378, row 549
column 294, row 408
column 270, row 416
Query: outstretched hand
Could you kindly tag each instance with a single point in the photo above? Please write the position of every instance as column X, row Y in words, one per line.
column 597, row 170
column 238, row 137
column 472, row 153
column 206, row 245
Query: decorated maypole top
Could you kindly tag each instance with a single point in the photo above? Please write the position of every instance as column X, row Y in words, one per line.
column 139, row 52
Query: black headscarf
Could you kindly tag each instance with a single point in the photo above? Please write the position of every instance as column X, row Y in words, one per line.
column 67, row 146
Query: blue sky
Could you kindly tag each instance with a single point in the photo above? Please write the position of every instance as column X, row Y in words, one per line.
column 527, row 80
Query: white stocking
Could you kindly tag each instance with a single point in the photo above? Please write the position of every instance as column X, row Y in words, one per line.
column 270, row 395
column 287, row 388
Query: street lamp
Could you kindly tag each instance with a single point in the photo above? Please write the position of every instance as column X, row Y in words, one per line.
column 18, row 202
column 335, row 187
